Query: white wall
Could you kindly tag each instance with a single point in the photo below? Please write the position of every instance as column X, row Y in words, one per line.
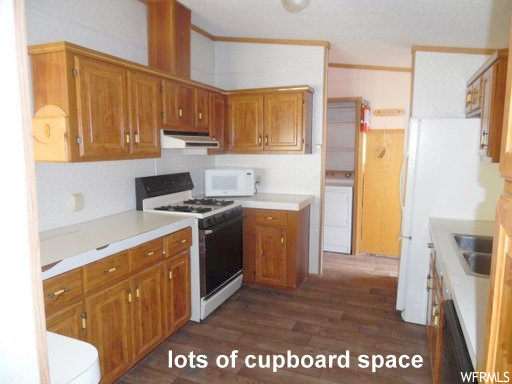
column 440, row 83
column 19, row 361
column 202, row 59
column 241, row 65
column 383, row 89
column 117, row 27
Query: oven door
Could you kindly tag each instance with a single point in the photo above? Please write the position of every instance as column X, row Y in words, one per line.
column 221, row 254
column 455, row 356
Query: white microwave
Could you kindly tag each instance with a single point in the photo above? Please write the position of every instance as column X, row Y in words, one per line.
column 229, row 182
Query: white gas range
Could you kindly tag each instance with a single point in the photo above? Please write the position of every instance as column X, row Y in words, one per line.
column 216, row 256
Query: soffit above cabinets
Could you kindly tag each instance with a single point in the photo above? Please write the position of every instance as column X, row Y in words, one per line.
column 363, row 32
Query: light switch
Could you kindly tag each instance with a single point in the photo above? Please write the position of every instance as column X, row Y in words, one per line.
column 77, row 202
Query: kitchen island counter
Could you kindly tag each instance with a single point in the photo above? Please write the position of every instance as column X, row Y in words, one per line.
column 470, row 293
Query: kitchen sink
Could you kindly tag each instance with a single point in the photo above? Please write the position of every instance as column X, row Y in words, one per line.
column 473, row 243
column 479, row 263
column 475, row 253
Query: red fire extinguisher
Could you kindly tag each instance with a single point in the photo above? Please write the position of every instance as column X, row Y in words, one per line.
column 365, row 116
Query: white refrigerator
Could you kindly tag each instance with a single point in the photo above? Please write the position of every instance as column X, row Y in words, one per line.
column 440, row 178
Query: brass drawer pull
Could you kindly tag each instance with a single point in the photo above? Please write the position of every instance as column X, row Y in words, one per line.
column 266, row 139
column 259, row 139
column 200, row 116
column 170, row 275
column 183, row 241
column 180, row 112
column 269, row 218
column 137, row 293
column 150, row 253
column 58, row 293
column 113, row 269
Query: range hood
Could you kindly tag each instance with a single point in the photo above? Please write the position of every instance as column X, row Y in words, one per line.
column 195, row 142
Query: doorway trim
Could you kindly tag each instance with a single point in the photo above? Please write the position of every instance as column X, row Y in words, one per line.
column 357, row 205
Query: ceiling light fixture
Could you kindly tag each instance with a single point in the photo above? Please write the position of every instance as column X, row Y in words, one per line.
column 295, row 6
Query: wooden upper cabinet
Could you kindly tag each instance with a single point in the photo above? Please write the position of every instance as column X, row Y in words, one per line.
column 485, row 98
column 178, row 106
column 270, row 121
column 283, row 116
column 202, row 110
column 146, row 110
column 102, row 100
column 91, row 107
column 169, row 37
column 218, row 116
column 245, row 123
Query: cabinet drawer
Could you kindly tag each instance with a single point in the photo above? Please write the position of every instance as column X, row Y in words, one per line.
column 271, row 217
column 62, row 289
column 146, row 254
column 105, row 270
column 177, row 242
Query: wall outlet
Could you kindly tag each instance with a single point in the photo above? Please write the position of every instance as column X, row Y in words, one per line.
column 257, row 179
column 77, row 202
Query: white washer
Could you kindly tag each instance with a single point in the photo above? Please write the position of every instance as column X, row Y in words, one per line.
column 338, row 219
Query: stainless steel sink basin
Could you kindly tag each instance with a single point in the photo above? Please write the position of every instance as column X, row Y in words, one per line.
column 475, row 253
column 479, row 263
column 472, row 243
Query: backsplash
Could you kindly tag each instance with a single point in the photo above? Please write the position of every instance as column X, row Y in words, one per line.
column 241, row 66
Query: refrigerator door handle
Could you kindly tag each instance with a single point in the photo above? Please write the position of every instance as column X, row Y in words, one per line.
column 402, row 182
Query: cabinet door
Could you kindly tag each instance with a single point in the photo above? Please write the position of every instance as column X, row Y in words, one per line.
column 147, row 310
column 178, row 106
column 218, row 119
column 182, row 21
column 177, row 294
column 499, row 326
column 284, row 129
column 145, row 114
column 102, row 104
column 487, row 86
column 68, row 322
column 110, row 328
column 270, row 255
column 202, row 110
column 246, row 123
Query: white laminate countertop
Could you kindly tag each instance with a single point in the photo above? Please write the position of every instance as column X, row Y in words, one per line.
column 470, row 293
column 76, row 245
column 72, row 361
column 284, row 202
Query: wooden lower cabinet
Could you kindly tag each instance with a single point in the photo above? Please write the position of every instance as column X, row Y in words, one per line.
column 276, row 247
column 143, row 297
column 109, row 328
column 68, row 322
column 148, row 305
column 177, row 306
column 270, row 255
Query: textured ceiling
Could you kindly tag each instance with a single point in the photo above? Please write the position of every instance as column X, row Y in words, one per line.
column 372, row 32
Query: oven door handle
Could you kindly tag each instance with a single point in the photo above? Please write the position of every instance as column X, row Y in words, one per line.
column 223, row 225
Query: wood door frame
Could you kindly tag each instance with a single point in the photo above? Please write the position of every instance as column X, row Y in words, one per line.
column 29, row 231
column 357, row 201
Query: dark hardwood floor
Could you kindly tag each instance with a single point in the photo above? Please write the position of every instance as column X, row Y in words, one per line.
column 351, row 307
